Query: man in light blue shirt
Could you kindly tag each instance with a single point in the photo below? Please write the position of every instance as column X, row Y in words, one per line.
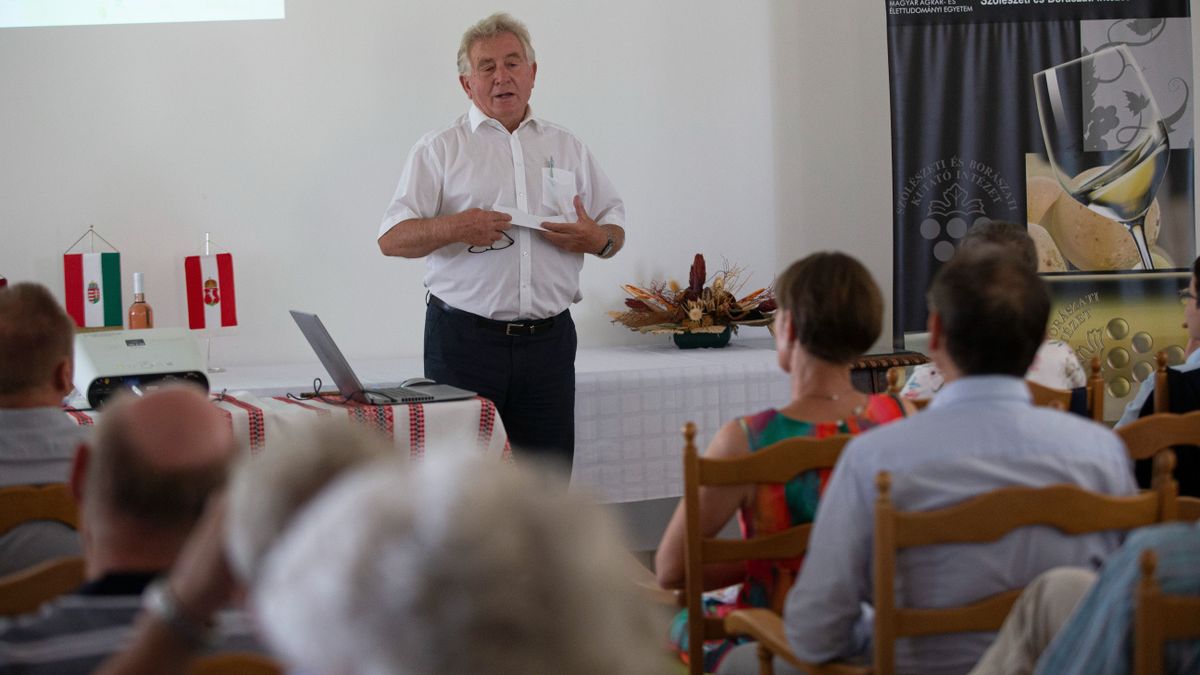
column 987, row 317
column 1192, row 321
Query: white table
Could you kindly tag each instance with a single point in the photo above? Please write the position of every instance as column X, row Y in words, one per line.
column 630, row 404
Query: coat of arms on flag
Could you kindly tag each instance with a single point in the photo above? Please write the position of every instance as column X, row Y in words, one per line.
column 92, row 285
column 211, row 300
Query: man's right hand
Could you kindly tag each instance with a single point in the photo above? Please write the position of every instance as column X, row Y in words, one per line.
column 477, row 227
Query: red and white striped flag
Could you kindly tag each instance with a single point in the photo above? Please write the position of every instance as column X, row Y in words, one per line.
column 92, row 284
column 3, row 281
column 210, row 295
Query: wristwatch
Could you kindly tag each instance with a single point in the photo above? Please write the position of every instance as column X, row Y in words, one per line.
column 608, row 247
column 162, row 603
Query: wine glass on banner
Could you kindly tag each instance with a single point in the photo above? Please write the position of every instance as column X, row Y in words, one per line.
column 1114, row 174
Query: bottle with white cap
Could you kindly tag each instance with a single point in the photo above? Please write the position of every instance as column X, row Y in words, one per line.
column 140, row 313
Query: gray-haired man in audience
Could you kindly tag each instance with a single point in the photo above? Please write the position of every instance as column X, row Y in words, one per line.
column 37, row 440
column 141, row 485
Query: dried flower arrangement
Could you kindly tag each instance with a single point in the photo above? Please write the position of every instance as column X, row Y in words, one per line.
column 702, row 307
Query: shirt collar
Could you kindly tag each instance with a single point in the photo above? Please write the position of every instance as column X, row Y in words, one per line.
column 476, row 117
column 990, row 388
column 1193, row 359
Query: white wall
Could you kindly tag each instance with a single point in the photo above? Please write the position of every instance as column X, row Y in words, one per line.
column 755, row 131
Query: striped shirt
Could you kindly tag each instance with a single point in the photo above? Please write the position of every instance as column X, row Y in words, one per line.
column 77, row 632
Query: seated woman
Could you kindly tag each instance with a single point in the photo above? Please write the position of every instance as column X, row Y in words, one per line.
column 830, row 313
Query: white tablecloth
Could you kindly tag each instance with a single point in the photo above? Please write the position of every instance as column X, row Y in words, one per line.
column 416, row 430
column 630, row 404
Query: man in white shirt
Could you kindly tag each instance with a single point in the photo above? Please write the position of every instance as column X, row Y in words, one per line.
column 497, row 320
column 37, row 439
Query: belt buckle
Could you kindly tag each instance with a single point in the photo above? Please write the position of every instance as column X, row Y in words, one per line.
column 508, row 328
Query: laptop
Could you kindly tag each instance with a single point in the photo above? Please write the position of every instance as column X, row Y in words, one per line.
column 350, row 387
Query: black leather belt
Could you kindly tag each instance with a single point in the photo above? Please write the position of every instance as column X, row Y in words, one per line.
column 511, row 328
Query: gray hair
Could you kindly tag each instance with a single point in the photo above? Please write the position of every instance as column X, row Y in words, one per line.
column 455, row 565
column 494, row 25
column 268, row 489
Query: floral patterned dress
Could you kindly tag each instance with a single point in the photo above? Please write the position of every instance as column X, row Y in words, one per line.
column 776, row 507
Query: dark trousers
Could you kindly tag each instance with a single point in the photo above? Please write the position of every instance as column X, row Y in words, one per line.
column 530, row 378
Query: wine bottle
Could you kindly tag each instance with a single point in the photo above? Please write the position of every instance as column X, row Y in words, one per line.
column 140, row 313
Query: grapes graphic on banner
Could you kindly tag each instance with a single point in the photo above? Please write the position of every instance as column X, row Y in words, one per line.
column 211, row 299
column 92, row 286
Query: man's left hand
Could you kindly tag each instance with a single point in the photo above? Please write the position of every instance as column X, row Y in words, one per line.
column 582, row 236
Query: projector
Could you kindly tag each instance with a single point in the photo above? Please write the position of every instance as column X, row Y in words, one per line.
column 135, row 360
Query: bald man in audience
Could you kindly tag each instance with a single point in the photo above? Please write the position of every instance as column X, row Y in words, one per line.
column 142, row 484
column 37, row 440
column 987, row 317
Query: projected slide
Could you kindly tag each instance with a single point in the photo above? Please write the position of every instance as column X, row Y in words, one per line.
column 26, row 13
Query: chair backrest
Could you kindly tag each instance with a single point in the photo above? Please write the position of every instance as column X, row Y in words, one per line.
column 777, row 463
column 26, row 590
column 1095, row 391
column 1158, row 618
column 23, row 503
column 1148, row 435
column 235, row 663
column 987, row 518
column 1049, row 397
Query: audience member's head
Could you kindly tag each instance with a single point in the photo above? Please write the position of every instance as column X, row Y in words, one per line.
column 143, row 481
column 988, row 312
column 266, row 490
column 832, row 304
column 1011, row 236
column 453, row 566
column 36, row 347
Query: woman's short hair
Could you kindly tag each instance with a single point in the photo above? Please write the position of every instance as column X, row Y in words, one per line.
column 268, row 489
column 454, row 565
column 35, row 336
column 494, row 25
column 835, row 306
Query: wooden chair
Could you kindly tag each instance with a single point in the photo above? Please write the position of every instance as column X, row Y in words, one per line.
column 23, row 503
column 235, row 663
column 985, row 518
column 1049, row 397
column 1095, row 391
column 26, row 590
column 1158, row 618
column 1146, row 437
column 776, row 463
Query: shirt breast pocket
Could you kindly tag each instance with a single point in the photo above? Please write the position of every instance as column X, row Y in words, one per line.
column 558, row 191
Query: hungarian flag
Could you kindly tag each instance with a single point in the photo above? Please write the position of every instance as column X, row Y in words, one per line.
column 92, row 282
column 210, row 298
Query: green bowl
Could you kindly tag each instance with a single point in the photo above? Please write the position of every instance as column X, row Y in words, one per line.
column 702, row 340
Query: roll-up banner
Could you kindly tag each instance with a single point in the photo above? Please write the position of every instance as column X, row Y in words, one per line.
column 1073, row 116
